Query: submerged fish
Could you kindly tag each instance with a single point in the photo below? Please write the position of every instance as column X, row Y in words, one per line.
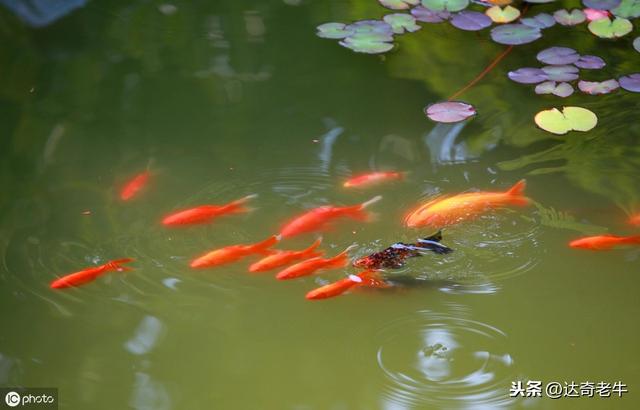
column 234, row 253
column 394, row 256
column 319, row 218
column 282, row 258
column 634, row 219
column 369, row 179
column 604, row 242
column 206, row 213
column 312, row 265
column 453, row 209
column 134, row 186
column 367, row 278
column 90, row 274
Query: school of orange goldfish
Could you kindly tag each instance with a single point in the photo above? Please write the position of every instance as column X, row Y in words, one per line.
column 438, row 213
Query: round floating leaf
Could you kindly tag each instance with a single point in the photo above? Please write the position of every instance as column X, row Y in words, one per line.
column 502, row 15
column 369, row 43
column 445, row 5
column 429, row 16
column 333, row 30
column 399, row 4
column 593, row 14
column 515, row 34
column 595, row 87
column 601, row 4
column 571, row 118
column 572, row 18
column 450, row 111
column 590, row 62
column 401, row 22
column 541, row 21
column 470, row 20
column 630, row 82
column 627, row 9
column 561, row 72
column 605, row 28
column 558, row 56
column 636, row 44
column 370, row 26
column 528, row 75
column 551, row 87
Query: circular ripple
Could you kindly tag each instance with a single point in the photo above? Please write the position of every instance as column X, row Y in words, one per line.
column 437, row 360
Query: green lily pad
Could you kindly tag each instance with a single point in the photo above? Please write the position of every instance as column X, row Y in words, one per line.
column 445, row 5
column 515, row 34
column 502, row 15
column 636, row 44
column 605, row 28
column 551, row 87
column 369, row 43
column 399, row 4
column 627, row 9
column 572, row 18
column 333, row 30
column 401, row 22
column 569, row 119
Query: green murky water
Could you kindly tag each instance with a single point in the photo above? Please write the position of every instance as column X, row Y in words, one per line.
column 223, row 99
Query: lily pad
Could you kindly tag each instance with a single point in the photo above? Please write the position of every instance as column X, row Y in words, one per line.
column 399, row 4
column 515, row 34
column 541, row 21
column 598, row 87
column 570, row 119
column 333, row 30
column 370, row 26
column 601, row 4
column 558, row 56
column 593, row 14
column 528, row 75
column 502, row 15
column 636, row 44
column 450, row 111
column 371, row 42
column 627, row 9
column 429, row 16
column 605, row 28
column 590, row 62
column 561, row 72
column 470, row 20
column 630, row 82
column 401, row 22
column 551, row 87
column 572, row 18
column 445, row 5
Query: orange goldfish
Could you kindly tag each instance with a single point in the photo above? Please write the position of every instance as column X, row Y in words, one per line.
column 635, row 219
column 282, row 258
column 135, row 185
column 206, row 213
column 89, row 274
column 365, row 278
column 312, row 265
column 449, row 210
column 234, row 253
column 319, row 218
column 369, row 179
column 604, row 242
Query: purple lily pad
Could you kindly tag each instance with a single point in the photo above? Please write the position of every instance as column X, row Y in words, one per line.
column 630, row 82
column 551, row 87
column 528, row 75
column 450, row 111
column 598, row 87
column 470, row 20
column 636, row 44
column 601, row 4
column 561, row 72
column 429, row 16
column 540, row 21
column 590, row 63
column 572, row 18
column 558, row 56
column 515, row 34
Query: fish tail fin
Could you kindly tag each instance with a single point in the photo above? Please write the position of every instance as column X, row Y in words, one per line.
column 311, row 249
column 373, row 279
column 238, row 206
column 516, row 193
column 358, row 212
column 436, row 237
column 124, row 260
column 370, row 202
column 267, row 243
column 342, row 258
column 632, row 239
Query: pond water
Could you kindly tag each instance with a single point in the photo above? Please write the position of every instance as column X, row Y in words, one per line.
column 228, row 98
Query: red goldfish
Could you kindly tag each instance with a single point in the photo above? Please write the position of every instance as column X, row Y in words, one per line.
column 234, row 253
column 635, row 220
column 89, row 274
column 604, row 242
column 282, row 258
column 312, row 265
column 206, row 213
column 368, row 179
column 365, row 278
column 318, row 218
column 449, row 210
column 135, row 185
